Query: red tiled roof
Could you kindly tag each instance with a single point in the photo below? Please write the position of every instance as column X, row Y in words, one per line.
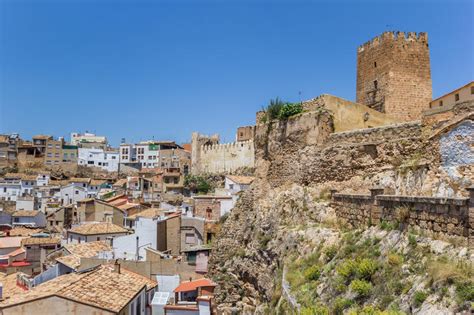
column 193, row 285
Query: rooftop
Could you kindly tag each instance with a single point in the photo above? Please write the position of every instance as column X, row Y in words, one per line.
column 40, row 241
column 79, row 180
column 194, row 284
column 148, row 213
column 83, row 250
column 25, row 213
column 243, row 180
column 9, row 242
column 95, row 228
column 101, row 287
column 22, row 231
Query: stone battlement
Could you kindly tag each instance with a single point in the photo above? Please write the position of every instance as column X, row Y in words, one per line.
column 451, row 217
column 226, row 146
column 396, row 37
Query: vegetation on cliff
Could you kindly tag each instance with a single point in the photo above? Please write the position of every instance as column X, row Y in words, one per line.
column 278, row 109
column 282, row 251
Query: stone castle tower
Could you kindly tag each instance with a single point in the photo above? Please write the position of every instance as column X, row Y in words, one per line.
column 393, row 74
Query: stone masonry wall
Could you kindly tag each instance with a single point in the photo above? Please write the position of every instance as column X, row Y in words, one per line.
column 393, row 74
column 446, row 216
column 210, row 156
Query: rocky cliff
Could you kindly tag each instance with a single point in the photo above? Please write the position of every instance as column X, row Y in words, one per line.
column 282, row 249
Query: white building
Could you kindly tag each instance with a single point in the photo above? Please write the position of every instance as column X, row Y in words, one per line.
column 79, row 189
column 106, row 160
column 77, row 138
column 10, row 188
column 146, row 231
column 43, row 179
column 145, row 153
column 151, row 154
column 235, row 184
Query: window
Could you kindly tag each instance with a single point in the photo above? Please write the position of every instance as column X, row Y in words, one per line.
column 440, row 103
column 231, row 186
column 209, row 213
column 50, row 154
column 57, row 146
column 472, row 89
column 241, row 134
column 456, row 97
column 50, row 145
column 376, row 84
column 98, row 238
column 17, row 219
column 100, row 163
column 190, row 239
column 90, row 162
column 77, row 192
column 139, row 306
column 4, row 189
column 375, row 64
column 56, row 155
column 113, row 157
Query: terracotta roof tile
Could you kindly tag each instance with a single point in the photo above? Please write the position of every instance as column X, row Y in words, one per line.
column 83, row 250
column 98, row 228
column 193, row 285
column 25, row 213
column 9, row 242
column 40, row 241
column 148, row 213
column 243, row 180
column 102, row 287
column 23, row 231
column 79, row 180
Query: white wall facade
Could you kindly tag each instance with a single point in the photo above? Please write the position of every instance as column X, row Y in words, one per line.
column 108, row 161
column 42, row 179
column 72, row 193
column 125, row 246
column 10, row 190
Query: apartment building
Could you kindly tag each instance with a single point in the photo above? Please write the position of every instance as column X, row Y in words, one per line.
column 100, row 158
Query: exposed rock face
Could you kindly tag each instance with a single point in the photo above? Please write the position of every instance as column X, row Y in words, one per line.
column 285, row 217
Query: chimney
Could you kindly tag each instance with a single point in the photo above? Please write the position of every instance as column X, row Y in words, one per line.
column 117, row 266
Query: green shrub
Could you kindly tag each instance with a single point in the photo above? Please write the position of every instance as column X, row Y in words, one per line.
column 197, row 184
column 347, row 269
column 361, row 287
column 394, row 259
column 273, row 108
column 263, row 240
column 318, row 309
column 412, row 240
column 312, row 273
column 366, row 268
column 419, row 297
column 465, row 291
column 290, row 109
column 340, row 304
column 387, row 226
column 331, row 252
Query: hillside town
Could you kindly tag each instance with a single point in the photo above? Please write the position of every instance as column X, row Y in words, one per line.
column 142, row 228
column 80, row 209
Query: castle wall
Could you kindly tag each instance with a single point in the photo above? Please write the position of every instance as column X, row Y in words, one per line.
column 443, row 216
column 393, row 74
column 348, row 115
column 227, row 157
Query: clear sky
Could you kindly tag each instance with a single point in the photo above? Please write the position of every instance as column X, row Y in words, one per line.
column 143, row 69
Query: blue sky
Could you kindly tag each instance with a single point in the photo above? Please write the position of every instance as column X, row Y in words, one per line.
column 143, row 69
